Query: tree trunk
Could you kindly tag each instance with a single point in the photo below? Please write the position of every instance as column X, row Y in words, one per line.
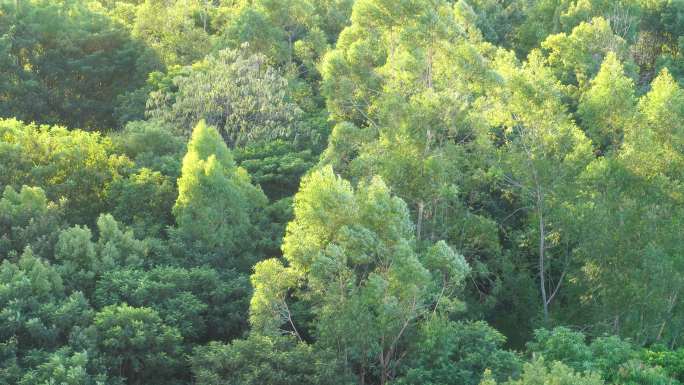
column 419, row 222
column 383, row 370
column 542, row 261
column 206, row 15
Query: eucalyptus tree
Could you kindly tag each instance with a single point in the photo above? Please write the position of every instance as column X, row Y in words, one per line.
column 631, row 224
column 351, row 258
column 172, row 30
column 542, row 155
column 401, row 85
column 577, row 56
column 608, row 106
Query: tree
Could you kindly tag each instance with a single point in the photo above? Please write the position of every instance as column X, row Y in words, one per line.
column 82, row 261
column 37, row 315
column 170, row 28
column 377, row 49
column 151, row 145
column 276, row 166
column 293, row 35
column 64, row 367
column 144, row 200
column 615, row 360
column 67, row 63
column 497, row 20
column 623, row 15
column 202, row 303
column 537, row 372
column 253, row 26
column 401, row 84
column 351, row 259
column 607, row 107
column 662, row 110
column 577, row 57
column 264, row 360
column 333, row 16
column 245, row 98
column 630, row 223
column 543, row 153
column 562, row 344
column 27, row 219
column 72, row 167
column 450, row 352
column 405, row 86
column 216, row 201
column 134, row 344
column 79, row 263
column 275, row 28
column 671, row 361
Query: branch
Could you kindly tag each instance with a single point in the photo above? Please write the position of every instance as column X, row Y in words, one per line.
column 560, row 282
column 288, row 315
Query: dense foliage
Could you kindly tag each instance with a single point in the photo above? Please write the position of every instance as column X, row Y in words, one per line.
column 381, row 192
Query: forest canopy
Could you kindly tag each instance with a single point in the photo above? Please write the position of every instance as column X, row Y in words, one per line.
column 320, row 192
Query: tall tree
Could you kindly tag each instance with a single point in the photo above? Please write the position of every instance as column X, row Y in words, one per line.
column 402, row 87
column 216, row 201
column 606, row 109
column 632, row 215
column 351, row 258
column 543, row 153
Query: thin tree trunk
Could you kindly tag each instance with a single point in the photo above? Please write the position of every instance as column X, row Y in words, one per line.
column 542, row 256
column 419, row 222
column 383, row 370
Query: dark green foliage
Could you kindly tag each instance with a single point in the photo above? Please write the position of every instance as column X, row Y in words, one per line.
column 458, row 353
column 276, row 166
column 65, row 63
column 263, row 360
column 27, row 219
column 10, row 372
column 133, row 343
column 203, row 304
column 144, row 200
column 152, row 145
